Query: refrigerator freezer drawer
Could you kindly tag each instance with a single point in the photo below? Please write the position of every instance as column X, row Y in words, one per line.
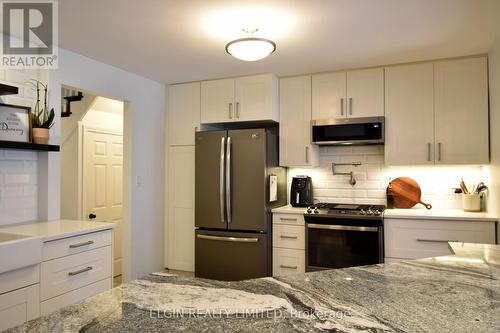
column 231, row 256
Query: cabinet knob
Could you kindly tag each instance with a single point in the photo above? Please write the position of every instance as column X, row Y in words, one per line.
column 92, row 216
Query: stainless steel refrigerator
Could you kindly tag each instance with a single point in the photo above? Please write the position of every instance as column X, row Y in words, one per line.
column 233, row 202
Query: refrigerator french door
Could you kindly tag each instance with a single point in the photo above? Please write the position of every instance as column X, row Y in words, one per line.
column 232, row 204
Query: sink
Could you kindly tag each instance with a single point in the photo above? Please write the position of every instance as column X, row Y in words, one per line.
column 18, row 251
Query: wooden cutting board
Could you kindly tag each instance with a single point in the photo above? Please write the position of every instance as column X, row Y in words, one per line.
column 407, row 193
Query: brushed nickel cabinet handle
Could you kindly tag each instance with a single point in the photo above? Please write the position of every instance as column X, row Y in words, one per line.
column 429, row 151
column 287, row 219
column 439, row 151
column 230, row 110
column 350, row 106
column 72, row 246
column 238, row 110
column 341, row 106
column 290, row 267
column 307, row 154
column 288, row 237
column 436, row 240
column 83, row 270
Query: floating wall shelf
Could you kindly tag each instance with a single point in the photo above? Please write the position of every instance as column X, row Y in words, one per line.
column 8, row 90
column 27, row 146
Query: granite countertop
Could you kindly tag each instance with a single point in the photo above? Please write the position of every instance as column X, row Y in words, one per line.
column 57, row 229
column 458, row 293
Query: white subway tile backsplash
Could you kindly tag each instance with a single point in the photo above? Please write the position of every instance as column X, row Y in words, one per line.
column 437, row 182
column 18, row 168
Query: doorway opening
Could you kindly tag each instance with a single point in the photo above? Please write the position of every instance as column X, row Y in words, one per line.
column 92, row 163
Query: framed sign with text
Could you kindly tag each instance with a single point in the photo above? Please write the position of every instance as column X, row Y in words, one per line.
column 14, row 123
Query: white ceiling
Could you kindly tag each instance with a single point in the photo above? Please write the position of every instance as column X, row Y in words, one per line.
column 183, row 40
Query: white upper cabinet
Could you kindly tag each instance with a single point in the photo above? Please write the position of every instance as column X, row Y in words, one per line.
column 329, row 95
column 365, row 93
column 295, row 122
column 183, row 113
column 250, row 98
column 256, row 98
column 461, row 107
column 353, row 94
column 217, row 101
column 409, row 114
column 437, row 112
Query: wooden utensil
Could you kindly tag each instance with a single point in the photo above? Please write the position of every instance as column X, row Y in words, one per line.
column 407, row 193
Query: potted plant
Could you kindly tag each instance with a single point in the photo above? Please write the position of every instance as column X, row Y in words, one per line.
column 42, row 119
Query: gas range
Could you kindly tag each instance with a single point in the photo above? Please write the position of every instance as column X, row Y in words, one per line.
column 345, row 210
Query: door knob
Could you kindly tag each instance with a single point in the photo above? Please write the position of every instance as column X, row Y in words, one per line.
column 92, row 216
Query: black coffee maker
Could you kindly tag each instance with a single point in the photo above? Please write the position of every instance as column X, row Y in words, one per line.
column 301, row 191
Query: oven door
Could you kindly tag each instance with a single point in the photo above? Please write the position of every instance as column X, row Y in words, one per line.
column 338, row 246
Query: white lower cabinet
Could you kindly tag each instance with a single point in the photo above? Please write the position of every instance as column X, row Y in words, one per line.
column 19, row 306
column 416, row 239
column 288, row 244
column 75, row 268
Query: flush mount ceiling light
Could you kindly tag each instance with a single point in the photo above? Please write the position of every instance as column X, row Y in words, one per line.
column 250, row 49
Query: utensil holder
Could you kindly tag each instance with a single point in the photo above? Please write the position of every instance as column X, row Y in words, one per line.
column 471, row 202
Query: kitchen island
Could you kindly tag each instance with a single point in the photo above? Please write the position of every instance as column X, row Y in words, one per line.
column 459, row 293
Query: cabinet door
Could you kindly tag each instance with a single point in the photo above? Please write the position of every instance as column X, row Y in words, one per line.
column 19, row 306
column 409, row 114
column 180, row 204
column 461, row 107
column 217, row 101
column 365, row 93
column 295, row 122
column 256, row 98
column 329, row 95
column 183, row 112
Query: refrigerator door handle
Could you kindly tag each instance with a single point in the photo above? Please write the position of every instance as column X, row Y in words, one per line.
column 221, row 180
column 228, row 179
column 229, row 239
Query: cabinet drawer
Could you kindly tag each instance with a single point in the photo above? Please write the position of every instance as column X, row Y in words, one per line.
column 414, row 239
column 293, row 219
column 288, row 261
column 74, row 296
column 19, row 278
column 72, row 245
column 19, row 306
column 59, row 276
column 289, row 236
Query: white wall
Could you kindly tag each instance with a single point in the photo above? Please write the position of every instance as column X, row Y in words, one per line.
column 18, row 168
column 494, row 169
column 144, row 136
column 373, row 176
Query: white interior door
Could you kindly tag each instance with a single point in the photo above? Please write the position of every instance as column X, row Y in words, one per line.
column 103, row 183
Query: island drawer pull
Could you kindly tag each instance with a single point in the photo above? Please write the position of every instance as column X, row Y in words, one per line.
column 436, row 240
column 287, row 219
column 83, row 270
column 288, row 237
column 290, row 267
column 72, row 246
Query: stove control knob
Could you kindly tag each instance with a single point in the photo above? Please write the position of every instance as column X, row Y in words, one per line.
column 316, row 211
column 309, row 210
column 369, row 212
column 362, row 212
column 377, row 212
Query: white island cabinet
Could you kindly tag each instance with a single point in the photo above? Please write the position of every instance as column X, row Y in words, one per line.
column 76, row 263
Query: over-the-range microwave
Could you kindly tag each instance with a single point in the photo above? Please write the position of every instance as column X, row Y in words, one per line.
column 348, row 131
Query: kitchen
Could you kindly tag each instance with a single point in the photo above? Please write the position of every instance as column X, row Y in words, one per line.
column 347, row 192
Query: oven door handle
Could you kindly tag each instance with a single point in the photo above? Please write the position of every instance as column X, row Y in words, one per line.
column 341, row 227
